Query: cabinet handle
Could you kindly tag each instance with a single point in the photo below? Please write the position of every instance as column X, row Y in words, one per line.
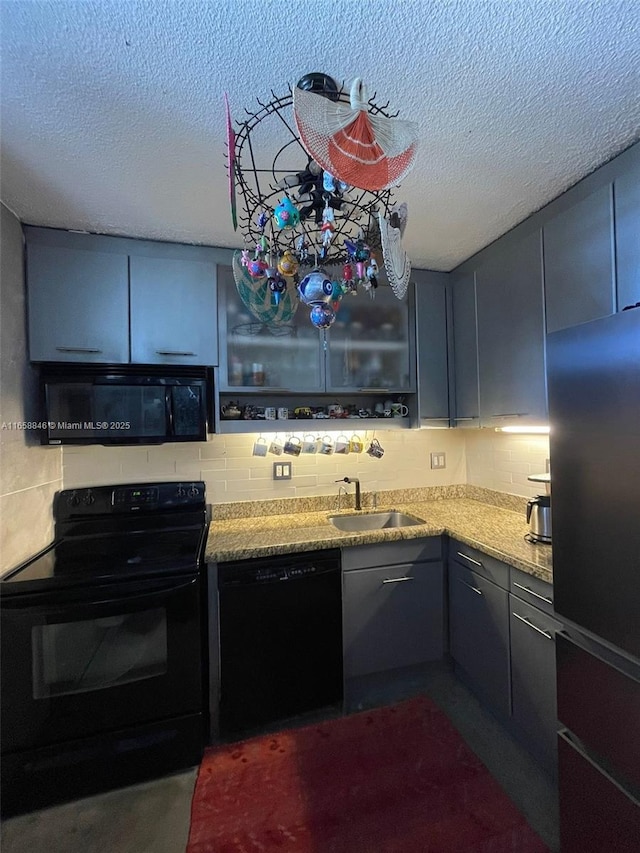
column 471, row 586
column 467, row 419
column 396, row 580
column 511, row 415
column 531, row 625
column 376, row 390
column 471, row 560
column 173, row 352
column 78, row 349
column 262, row 389
column 531, row 592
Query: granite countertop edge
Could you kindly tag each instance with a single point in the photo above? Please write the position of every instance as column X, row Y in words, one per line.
column 492, row 530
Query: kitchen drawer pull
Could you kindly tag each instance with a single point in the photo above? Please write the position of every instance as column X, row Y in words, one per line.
column 467, row 419
column 471, row 586
column 173, row 352
column 396, row 580
column 471, row 560
column 510, row 415
column 386, row 390
column 531, row 625
column 78, row 349
column 531, row 592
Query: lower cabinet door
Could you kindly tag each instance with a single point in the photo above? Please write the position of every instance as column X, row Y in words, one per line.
column 533, row 680
column 479, row 635
column 392, row 617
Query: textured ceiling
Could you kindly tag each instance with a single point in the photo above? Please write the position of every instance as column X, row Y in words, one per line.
column 112, row 112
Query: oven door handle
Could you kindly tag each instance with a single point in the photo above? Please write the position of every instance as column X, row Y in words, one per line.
column 37, row 603
column 148, row 596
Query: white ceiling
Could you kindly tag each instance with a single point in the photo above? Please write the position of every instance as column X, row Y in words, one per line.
column 113, row 122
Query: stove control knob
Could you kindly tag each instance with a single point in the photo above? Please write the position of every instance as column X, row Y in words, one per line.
column 193, row 492
column 73, row 499
column 181, row 492
column 88, row 499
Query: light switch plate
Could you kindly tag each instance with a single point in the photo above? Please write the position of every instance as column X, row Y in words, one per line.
column 282, row 470
column 438, row 459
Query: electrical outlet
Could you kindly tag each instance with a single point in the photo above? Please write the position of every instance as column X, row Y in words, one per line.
column 282, row 470
column 439, row 460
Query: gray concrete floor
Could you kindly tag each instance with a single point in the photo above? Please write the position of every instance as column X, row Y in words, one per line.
column 154, row 817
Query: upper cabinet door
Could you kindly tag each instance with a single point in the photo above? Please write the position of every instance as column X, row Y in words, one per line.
column 579, row 265
column 511, row 333
column 370, row 345
column 265, row 357
column 431, row 326
column 78, row 303
column 465, row 332
column 173, row 311
column 626, row 191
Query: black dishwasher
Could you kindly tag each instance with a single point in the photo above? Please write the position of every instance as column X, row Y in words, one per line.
column 280, row 638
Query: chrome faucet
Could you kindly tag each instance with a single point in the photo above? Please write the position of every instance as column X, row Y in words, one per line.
column 357, row 484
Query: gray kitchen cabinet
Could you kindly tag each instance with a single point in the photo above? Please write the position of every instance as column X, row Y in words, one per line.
column 393, row 614
column 365, row 358
column 289, row 355
column 579, row 261
column 369, row 348
column 479, row 636
column 78, row 303
column 626, row 190
column 173, row 310
column 465, row 333
column 533, row 680
column 511, row 343
column 94, row 298
column 371, row 345
column 432, row 331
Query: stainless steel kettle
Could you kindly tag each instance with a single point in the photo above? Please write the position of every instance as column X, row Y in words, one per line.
column 539, row 518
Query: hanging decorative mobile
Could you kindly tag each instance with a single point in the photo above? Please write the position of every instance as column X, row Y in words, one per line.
column 396, row 260
column 319, row 205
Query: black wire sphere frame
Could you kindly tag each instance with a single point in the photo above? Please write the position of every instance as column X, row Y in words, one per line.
column 259, row 191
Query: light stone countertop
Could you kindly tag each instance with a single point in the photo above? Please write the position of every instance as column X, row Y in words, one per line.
column 491, row 529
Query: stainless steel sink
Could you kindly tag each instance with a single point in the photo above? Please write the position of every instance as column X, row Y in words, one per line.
column 373, row 521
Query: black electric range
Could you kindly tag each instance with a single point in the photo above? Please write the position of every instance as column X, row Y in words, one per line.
column 103, row 645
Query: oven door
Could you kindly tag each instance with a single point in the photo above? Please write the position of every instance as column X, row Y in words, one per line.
column 81, row 662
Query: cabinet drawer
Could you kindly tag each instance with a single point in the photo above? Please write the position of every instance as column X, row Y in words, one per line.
column 392, row 553
column 533, row 590
column 393, row 617
column 533, row 679
column 479, row 635
column 471, row 558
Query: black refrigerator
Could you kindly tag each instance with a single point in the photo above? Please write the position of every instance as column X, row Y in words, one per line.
column 594, row 412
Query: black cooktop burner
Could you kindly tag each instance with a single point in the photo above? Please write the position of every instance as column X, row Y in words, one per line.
column 91, row 559
column 118, row 533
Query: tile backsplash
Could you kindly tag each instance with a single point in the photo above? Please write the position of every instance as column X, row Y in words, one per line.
column 503, row 461
column 29, row 473
column 232, row 473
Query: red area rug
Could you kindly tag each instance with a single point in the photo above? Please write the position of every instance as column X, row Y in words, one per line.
column 398, row 779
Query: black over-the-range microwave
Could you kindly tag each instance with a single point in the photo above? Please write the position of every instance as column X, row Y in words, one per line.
column 125, row 404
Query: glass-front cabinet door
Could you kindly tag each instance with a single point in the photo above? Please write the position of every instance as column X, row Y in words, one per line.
column 370, row 345
column 266, row 357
